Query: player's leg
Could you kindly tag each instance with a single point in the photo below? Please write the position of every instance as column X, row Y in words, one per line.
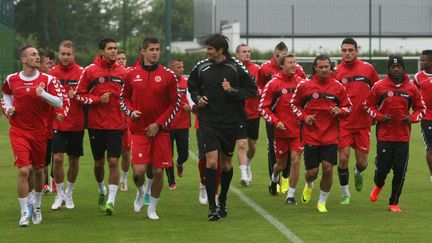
column 328, row 156
column 295, row 171
column 98, row 147
column 182, row 149
column 346, row 140
column 383, row 165
column 114, row 145
column 400, row 165
column 242, row 160
column 59, row 147
column 75, row 150
column 125, row 160
column 281, row 153
column 252, row 134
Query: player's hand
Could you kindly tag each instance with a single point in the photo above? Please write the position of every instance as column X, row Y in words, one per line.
column 194, row 108
column 71, row 93
column 152, row 130
column 39, row 90
column 60, row 117
column 386, row 118
column 226, row 85
column 335, row 110
column 105, row 98
column 135, row 115
column 202, row 102
column 280, row 126
column 310, row 119
column 10, row 112
column 186, row 107
column 406, row 120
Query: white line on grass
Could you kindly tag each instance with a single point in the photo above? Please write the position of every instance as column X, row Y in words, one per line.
column 266, row 215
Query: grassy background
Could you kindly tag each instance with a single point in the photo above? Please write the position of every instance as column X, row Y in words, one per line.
column 183, row 219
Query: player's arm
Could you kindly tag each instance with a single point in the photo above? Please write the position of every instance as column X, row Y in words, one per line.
column 82, row 95
column 265, row 104
column 126, row 100
column 345, row 105
column 64, row 110
column 7, row 101
column 247, row 87
column 194, row 85
column 174, row 103
column 418, row 107
column 53, row 95
column 297, row 103
column 371, row 106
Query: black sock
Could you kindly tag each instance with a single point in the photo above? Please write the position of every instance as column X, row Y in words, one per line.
column 360, row 169
column 343, row 176
column 226, row 177
column 210, row 182
column 170, row 175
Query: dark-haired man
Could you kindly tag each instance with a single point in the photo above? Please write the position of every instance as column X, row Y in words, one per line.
column 318, row 104
column 28, row 96
column 265, row 74
column 389, row 103
column 219, row 85
column 423, row 80
column 357, row 77
column 100, row 87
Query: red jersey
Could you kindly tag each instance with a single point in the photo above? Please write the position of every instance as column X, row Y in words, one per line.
column 316, row 97
column 251, row 104
column 182, row 119
column 423, row 81
column 358, row 78
column 152, row 90
column 270, row 68
column 69, row 76
column 31, row 111
column 387, row 98
column 275, row 104
column 99, row 78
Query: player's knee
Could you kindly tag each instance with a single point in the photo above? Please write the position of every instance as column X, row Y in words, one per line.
column 24, row 172
column 58, row 158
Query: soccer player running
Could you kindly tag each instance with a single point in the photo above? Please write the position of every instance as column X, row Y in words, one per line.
column 28, row 96
column 423, row 80
column 179, row 128
column 265, row 74
column 68, row 130
column 248, row 134
column 318, row 104
column 219, row 85
column 99, row 87
column 275, row 109
column 357, row 77
column 389, row 103
column 125, row 154
column 151, row 100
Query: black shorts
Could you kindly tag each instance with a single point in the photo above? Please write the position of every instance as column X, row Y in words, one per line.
column 48, row 156
column 252, row 126
column 314, row 155
column 106, row 140
column 242, row 131
column 200, row 145
column 223, row 139
column 426, row 129
column 70, row 142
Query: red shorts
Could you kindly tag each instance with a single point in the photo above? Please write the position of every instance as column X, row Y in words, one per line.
column 127, row 137
column 284, row 145
column 28, row 148
column 357, row 138
column 155, row 151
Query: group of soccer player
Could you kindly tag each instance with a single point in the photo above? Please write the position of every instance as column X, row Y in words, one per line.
column 139, row 112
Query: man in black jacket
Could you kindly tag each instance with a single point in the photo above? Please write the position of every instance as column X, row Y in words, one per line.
column 219, row 85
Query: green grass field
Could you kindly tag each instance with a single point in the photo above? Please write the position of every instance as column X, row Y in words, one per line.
column 183, row 219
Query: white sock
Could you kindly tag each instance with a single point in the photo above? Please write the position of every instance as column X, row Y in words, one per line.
column 102, row 188
column 141, row 191
column 112, row 192
column 23, row 204
column 356, row 172
column 60, row 189
column 243, row 171
column 275, row 178
column 345, row 190
column 323, row 196
column 30, row 197
column 37, row 199
column 309, row 184
column 291, row 192
column 124, row 176
column 148, row 186
column 69, row 187
column 153, row 202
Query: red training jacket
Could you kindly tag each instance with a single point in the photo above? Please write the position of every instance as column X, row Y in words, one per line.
column 316, row 97
column 270, row 68
column 358, row 78
column 423, row 81
column 275, row 104
column 99, row 78
column 182, row 119
column 251, row 104
column 387, row 98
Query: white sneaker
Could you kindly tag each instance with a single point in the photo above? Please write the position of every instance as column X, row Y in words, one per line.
column 123, row 186
column 244, row 181
column 249, row 173
column 37, row 216
column 25, row 220
column 151, row 213
column 69, row 200
column 58, row 202
column 138, row 203
column 202, row 197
